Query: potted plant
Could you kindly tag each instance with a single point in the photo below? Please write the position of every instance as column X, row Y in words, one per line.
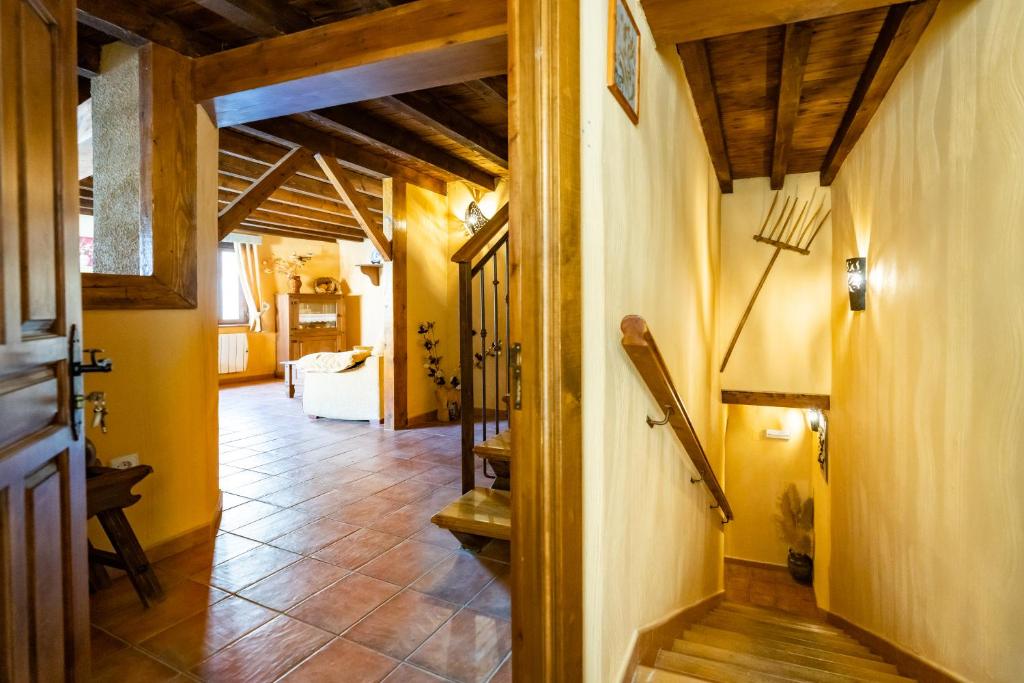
column 449, row 399
column 795, row 523
column 290, row 266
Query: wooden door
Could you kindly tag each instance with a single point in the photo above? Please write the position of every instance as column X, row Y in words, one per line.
column 43, row 574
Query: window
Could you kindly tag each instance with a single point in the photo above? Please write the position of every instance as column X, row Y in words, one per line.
column 231, row 308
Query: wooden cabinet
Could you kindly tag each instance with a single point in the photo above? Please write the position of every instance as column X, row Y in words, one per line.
column 309, row 323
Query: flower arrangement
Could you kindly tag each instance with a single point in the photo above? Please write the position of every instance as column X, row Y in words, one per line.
column 433, row 365
column 289, row 266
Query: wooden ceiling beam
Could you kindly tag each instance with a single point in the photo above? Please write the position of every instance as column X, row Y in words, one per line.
column 288, row 196
column 247, row 202
column 422, row 44
column 271, row 218
column 130, row 23
column 355, row 203
column 795, row 49
column 271, row 206
column 290, row 133
column 452, row 124
column 488, row 90
column 262, row 17
column 398, row 141
column 697, row 65
column 683, row 21
column 903, row 27
column 297, row 233
column 88, row 59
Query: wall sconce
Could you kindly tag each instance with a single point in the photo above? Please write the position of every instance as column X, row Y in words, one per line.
column 819, row 425
column 474, row 219
column 857, row 282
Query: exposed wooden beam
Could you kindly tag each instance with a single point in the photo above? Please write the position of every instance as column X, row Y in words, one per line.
column 270, row 218
column 273, row 207
column 452, row 124
column 130, row 23
column 298, row 233
column 796, row 46
column 422, row 44
column 398, row 141
column 697, row 65
column 289, row 197
column 249, row 201
column 767, row 398
column 263, row 17
column 88, row 59
column 683, row 21
column 290, row 133
column 903, row 27
column 490, row 90
column 356, row 204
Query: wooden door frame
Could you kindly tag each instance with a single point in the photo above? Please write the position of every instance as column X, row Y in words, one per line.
column 547, row 493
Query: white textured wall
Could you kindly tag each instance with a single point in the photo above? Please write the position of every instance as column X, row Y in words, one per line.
column 650, row 247
column 928, row 383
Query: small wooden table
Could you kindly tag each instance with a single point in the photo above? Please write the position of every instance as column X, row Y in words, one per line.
column 289, row 376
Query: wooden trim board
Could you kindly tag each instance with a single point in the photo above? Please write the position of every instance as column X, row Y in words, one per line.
column 779, row 400
column 907, row 662
column 660, row 634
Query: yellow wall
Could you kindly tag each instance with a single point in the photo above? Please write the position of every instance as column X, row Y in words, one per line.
column 757, row 470
column 263, row 359
column 365, row 303
column 928, row 383
column 162, row 394
column 785, row 343
column 651, row 233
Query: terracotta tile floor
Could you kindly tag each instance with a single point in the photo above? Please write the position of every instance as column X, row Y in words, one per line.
column 326, row 567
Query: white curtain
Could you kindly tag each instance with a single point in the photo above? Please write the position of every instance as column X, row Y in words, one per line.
column 252, row 292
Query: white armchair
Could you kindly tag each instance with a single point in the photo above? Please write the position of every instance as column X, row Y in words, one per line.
column 348, row 395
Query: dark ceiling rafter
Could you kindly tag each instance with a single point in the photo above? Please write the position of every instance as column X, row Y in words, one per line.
column 795, row 49
column 702, row 84
column 263, row 18
column 130, row 23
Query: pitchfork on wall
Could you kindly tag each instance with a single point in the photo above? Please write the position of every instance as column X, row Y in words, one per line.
column 785, row 233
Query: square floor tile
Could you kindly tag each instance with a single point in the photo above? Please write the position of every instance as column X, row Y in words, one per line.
column 467, row 649
column 191, row 641
column 408, row 491
column 246, row 513
column 435, row 535
column 406, row 521
column 265, row 654
column 203, row 557
column 459, row 578
column 250, row 567
column 329, row 503
column 400, row 625
column 342, row 662
column 344, row 603
column 130, row 665
column 297, row 493
column 136, row 623
column 367, row 511
column 407, row 673
column 357, row 549
column 405, row 563
column 308, row 539
column 293, row 584
column 277, row 524
column 495, row 599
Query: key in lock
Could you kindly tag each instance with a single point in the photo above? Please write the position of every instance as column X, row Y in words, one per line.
column 99, row 410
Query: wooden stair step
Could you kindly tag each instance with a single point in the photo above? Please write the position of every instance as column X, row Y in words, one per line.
column 799, row 632
column 835, row 644
column 714, row 636
column 690, row 645
column 498, row 447
column 646, row 674
column 481, row 512
column 710, row 670
column 764, row 665
column 769, row 618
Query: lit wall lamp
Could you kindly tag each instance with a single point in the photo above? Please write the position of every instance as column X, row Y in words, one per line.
column 857, row 282
column 474, row 219
column 819, row 425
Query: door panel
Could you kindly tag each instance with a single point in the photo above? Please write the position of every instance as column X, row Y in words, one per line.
column 43, row 573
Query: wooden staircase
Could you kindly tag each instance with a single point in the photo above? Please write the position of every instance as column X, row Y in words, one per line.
column 737, row 643
column 482, row 514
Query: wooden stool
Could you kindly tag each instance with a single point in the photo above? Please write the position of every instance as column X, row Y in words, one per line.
column 108, row 493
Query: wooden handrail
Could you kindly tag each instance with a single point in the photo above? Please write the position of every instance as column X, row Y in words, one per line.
column 482, row 237
column 643, row 351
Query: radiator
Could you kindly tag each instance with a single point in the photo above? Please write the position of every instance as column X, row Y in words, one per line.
column 233, row 353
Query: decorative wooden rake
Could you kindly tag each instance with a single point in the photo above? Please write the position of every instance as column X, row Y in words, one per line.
column 786, row 233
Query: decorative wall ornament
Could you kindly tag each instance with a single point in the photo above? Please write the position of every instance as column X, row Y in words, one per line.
column 786, row 233
column 857, row 282
column 624, row 58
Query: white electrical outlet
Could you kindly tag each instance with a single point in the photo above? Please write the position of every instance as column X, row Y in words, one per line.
column 125, row 461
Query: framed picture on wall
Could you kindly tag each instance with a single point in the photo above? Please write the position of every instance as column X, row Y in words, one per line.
column 624, row 58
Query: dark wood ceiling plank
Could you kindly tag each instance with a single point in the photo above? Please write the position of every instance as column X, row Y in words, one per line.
column 794, row 61
column 488, row 90
column 262, row 17
column 702, row 85
column 289, row 132
column 247, row 202
column 681, row 21
column 422, row 44
column 286, row 196
column 355, row 203
column 130, row 23
column 398, row 141
column 297, row 233
column 452, row 124
column 900, row 33
column 88, row 59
